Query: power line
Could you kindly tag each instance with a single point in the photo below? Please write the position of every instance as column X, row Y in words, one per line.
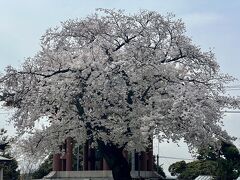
column 233, row 86
column 169, row 157
column 234, row 112
column 233, row 89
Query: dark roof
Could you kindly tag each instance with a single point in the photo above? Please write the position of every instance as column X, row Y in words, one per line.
column 204, row 178
column 4, row 159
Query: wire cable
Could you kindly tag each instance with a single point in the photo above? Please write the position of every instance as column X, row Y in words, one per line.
column 169, row 157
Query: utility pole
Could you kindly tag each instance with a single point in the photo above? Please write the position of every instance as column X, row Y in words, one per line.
column 158, row 159
column 1, row 174
column 78, row 157
column 139, row 154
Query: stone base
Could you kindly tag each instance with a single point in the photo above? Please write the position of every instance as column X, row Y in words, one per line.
column 98, row 175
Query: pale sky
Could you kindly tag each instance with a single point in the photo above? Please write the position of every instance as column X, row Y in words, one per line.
column 211, row 24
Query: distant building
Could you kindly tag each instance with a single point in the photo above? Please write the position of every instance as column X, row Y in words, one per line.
column 2, row 160
column 204, row 178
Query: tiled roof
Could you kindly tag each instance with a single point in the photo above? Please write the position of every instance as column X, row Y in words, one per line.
column 4, row 159
column 204, row 178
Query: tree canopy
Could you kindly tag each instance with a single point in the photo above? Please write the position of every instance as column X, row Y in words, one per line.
column 222, row 164
column 118, row 79
column 10, row 168
column 44, row 169
column 3, row 140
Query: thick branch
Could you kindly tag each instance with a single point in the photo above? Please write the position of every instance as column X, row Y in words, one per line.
column 125, row 42
column 48, row 75
column 174, row 59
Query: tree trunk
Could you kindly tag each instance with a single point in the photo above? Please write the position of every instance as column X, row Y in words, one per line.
column 116, row 161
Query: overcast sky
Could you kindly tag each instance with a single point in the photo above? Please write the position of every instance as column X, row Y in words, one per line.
column 211, row 24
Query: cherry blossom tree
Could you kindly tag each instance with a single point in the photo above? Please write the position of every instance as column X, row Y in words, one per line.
column 117, row 80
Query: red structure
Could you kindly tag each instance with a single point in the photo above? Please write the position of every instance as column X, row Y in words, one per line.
column 64, row 162
column 91, row 162
column 142, row 161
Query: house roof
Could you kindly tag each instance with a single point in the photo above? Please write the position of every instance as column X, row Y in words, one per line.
column 204, row 178
column 4, row 159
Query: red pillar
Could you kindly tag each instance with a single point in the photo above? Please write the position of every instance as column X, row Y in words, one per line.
column 63, row 164
column 91, row 159
column 143, row 161
column 56, row 162
column 69, row 148
column 105, row 165
column 85, row 156
column 150, row 160
column 101, row 164
column 125, row 154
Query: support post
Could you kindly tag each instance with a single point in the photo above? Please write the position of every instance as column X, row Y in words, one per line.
column 1, row 174
column 101, row 164
column 105, row 165
column 69, row 148
column 56, row 162
column 150, row 160
column 91, row 159
column 133, row 161
column 143, row 161
column 125, row 154
column 85, row 156
column 138, row 163
column 78, row 157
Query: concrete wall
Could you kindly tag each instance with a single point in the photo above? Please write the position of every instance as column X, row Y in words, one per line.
column 95, row 175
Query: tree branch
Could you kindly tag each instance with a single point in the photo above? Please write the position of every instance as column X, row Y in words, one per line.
column 48, row 75
column 174, row 59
